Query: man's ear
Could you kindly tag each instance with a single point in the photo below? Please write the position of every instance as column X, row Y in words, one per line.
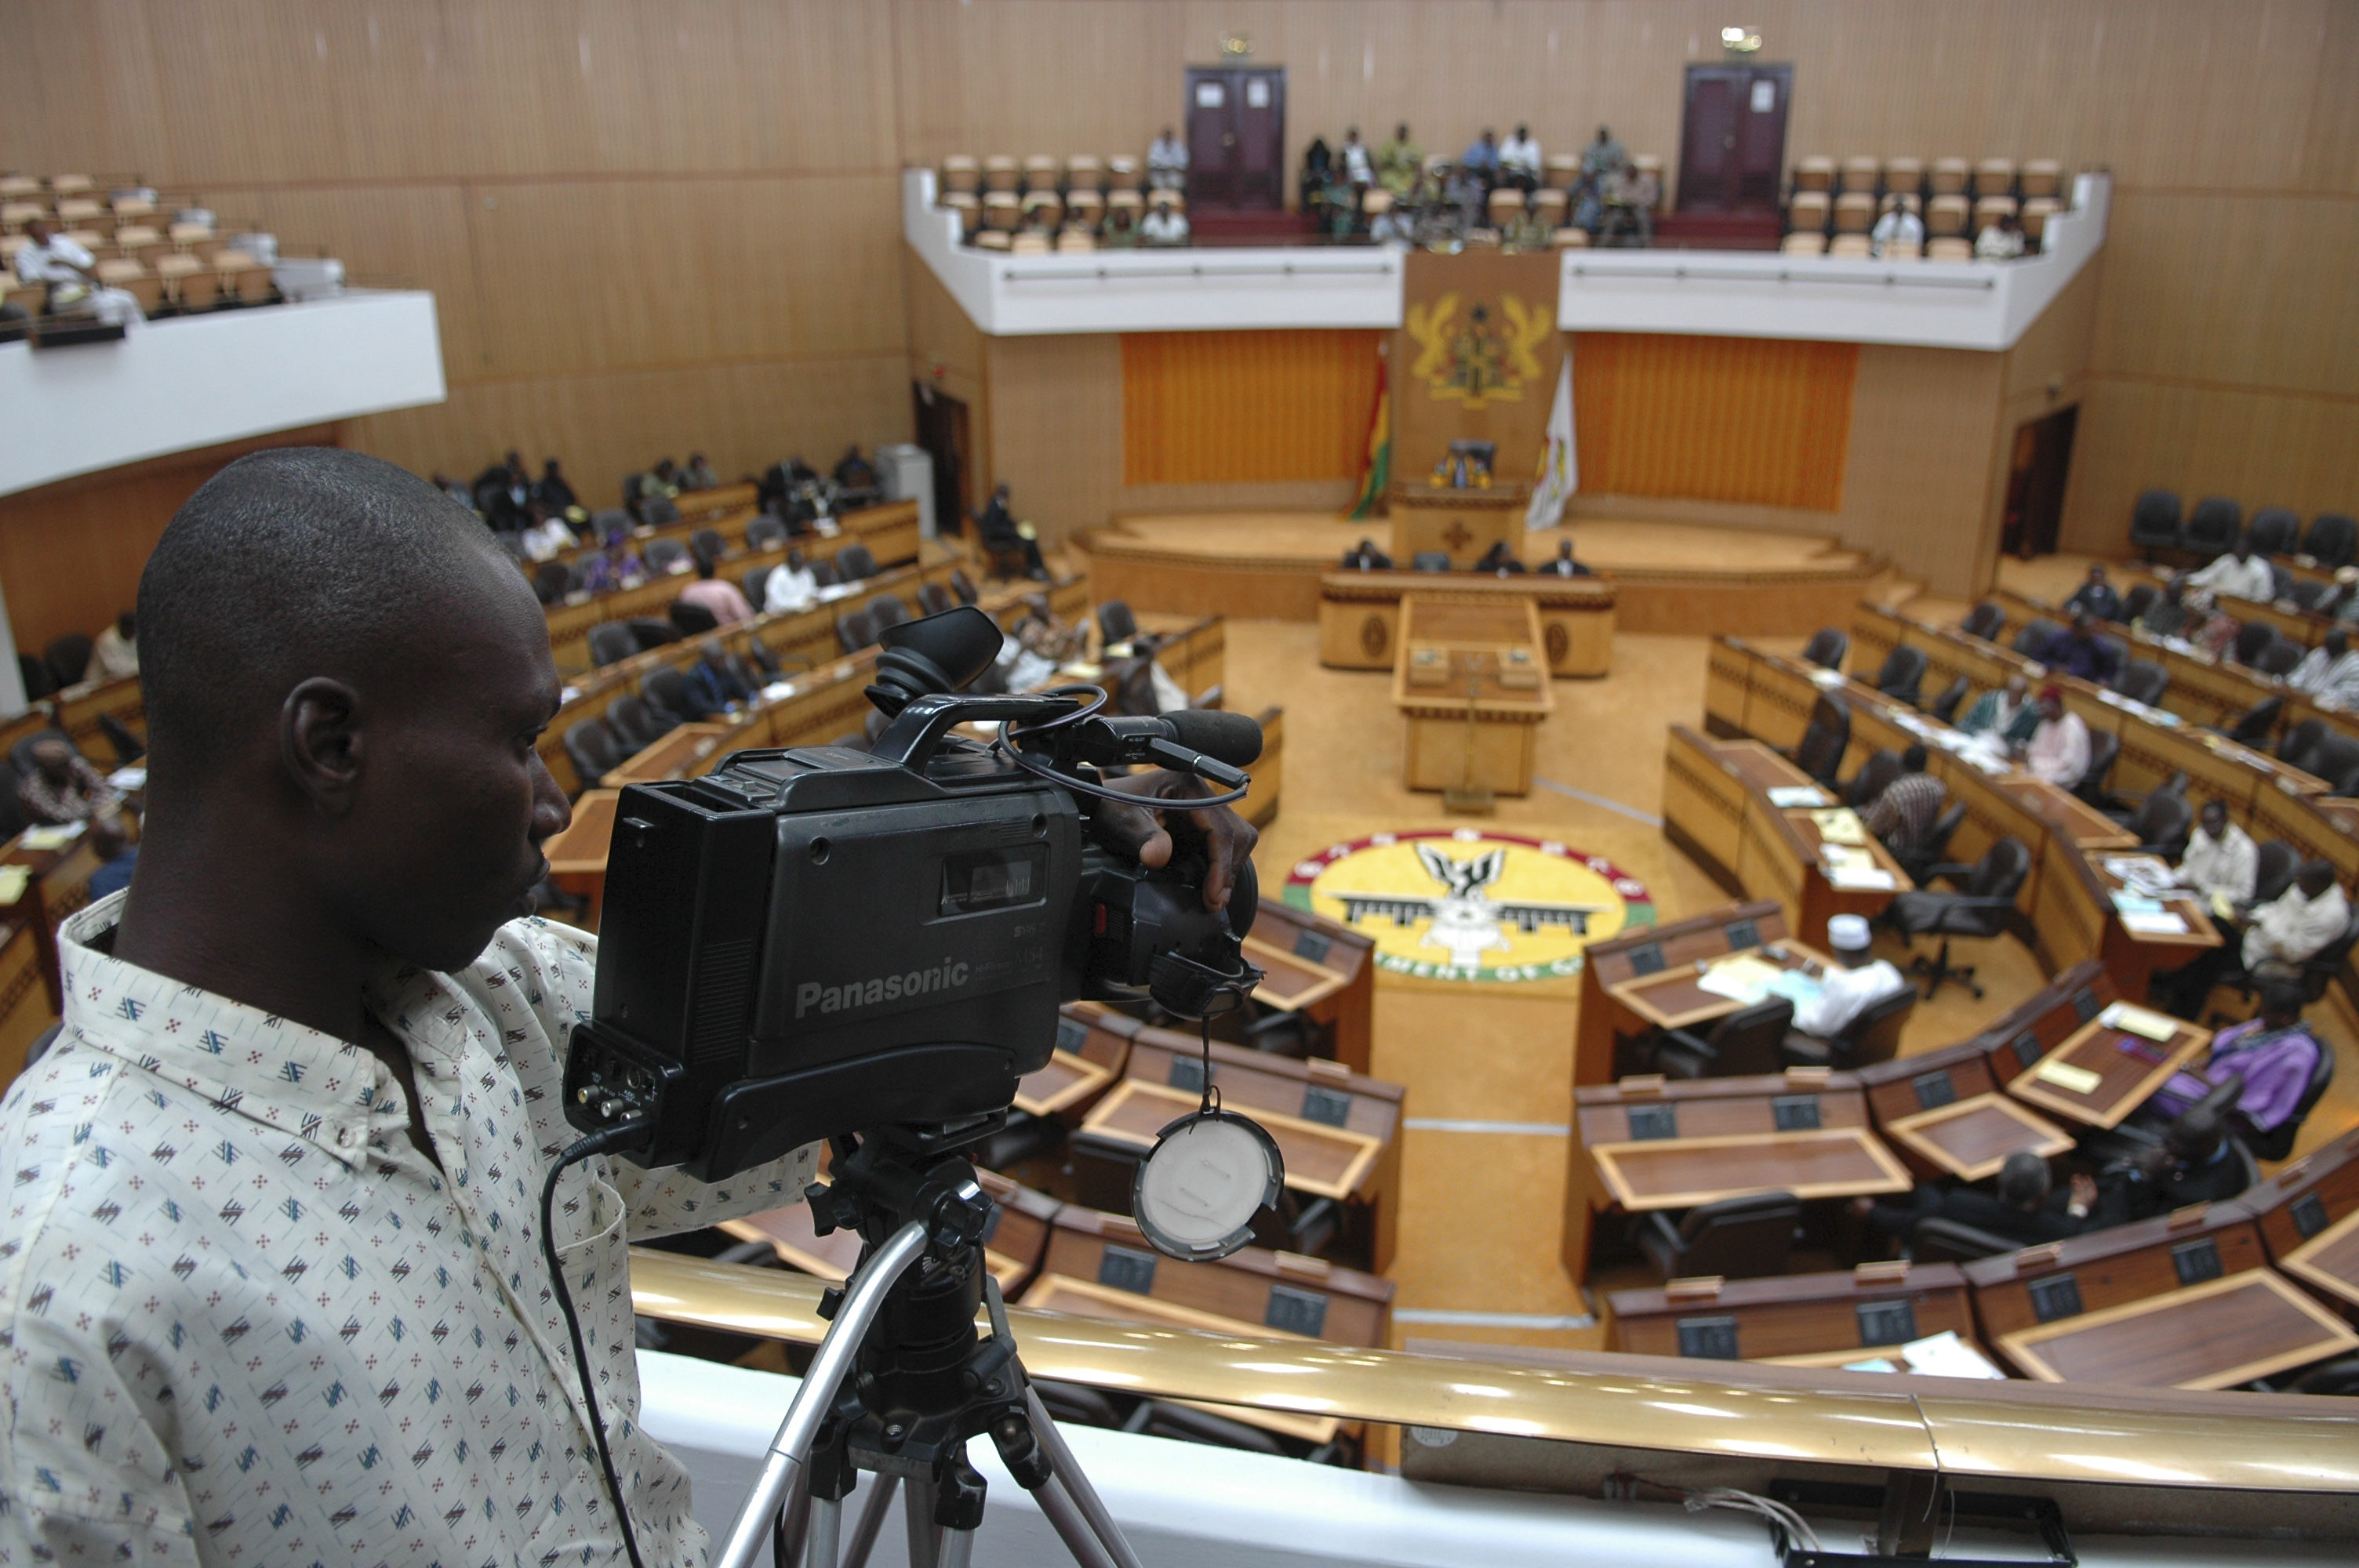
column 319, row 740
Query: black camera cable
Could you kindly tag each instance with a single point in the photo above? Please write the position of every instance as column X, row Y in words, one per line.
column 1010, row 733
column 630, row 1130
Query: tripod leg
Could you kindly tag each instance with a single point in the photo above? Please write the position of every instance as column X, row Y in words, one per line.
column 1057, row 1507
column 872, row 1521
column 918, row 1513
column 958, row 1549
column 787, row 1547
column 1068, row 1470
column 823, row 1541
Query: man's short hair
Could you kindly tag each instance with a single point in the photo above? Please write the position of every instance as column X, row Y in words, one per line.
column 2196, row 1134
column 2023, row 1180
column 296, row 562
column 2282, row 998
column 1913, row 760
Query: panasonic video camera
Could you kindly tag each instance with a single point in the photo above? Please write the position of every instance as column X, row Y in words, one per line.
column 821, row 940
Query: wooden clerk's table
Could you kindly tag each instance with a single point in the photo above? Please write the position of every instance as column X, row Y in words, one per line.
column 1469, row 679
column 1359, row 615
column 1461, row 523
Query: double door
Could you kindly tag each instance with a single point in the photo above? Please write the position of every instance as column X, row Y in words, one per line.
column 1733, row 144
column 1236, row 137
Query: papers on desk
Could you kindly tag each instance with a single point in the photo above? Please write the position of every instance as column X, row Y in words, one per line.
column 777, row 691
column 2065, row 1075
column 2142, row 874
column 1789, row 797
column 53, row 837
column 1826, row 680
column 1743, row 979
column 1853, row 870
column 2162, row 925
column 838, row 591
column 1839, row 826
column 127, row 780
column 2130, row 1018
column 1942, row 1355
column 14, row 880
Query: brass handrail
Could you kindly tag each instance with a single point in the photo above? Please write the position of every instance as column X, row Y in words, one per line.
column 2279, row 1442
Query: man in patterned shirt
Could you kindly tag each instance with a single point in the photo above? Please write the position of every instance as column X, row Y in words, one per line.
column 1904, row 814
column 271, row 1288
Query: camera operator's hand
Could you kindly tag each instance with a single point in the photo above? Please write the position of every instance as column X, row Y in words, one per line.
column 1146, row 834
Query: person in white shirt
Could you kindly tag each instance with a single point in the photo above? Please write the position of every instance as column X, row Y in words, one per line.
column 1845, row 993
column 1358, row 170
column 1899, row 225
column 115, row 654
column 2001, row 240
column 793, row 586
column 1519, row 160
column 2288, row 929
column 2330, row 673
column 1163, row 226
column 47, row 256
column 2059, row 749
column 2239, row 573
column 1166, row 162
column 2221, row 861
column 546, row 539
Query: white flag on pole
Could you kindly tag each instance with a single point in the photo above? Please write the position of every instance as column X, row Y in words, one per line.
column 1559, row 473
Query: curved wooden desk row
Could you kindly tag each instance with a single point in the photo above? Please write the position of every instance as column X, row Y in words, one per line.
column 731, row 509
column 1359, row 615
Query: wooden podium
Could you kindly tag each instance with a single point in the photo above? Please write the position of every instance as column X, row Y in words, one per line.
column 1474, row 685
column 1462, row 524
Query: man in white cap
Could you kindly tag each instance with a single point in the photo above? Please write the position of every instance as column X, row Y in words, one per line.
column 1850, row 987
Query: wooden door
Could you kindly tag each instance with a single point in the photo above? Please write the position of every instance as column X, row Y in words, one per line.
column 2042, row 462
column 1236, row 137
column 1732, row 143
column 942, row 432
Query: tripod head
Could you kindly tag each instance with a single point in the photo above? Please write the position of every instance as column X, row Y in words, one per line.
column 884, row 1179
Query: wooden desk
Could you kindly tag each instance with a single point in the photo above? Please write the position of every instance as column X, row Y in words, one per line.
column 577, row 857
column 2213, row 1335
column 2305, row 1196
column 57, row 885
column 2329, row 1262
column 1304, row 953
column 2123, row 1077
column 1853, row 1311
column 1606, row 1013
column 1677, row 999
column 1647, row 1107
column 1972, row 1138
column 1359, row 616
column 1468, row 679
column 1682, row 1173
column 676, row 755
column 2104, row 1268
column 1092, row 1048
column 25, row 1010
column 1461, row 523
column 79, row 707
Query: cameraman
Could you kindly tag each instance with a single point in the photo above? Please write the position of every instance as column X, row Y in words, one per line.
column 272, row 1281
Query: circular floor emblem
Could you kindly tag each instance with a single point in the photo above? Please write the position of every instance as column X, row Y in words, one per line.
column 1469, row 905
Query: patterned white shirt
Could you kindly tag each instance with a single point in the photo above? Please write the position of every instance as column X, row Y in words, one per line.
column 245, row 1321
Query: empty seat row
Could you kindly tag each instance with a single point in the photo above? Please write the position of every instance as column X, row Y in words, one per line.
column 1039, row 174
column 1945, row 177
column 1855, row 213
column 2158, row 523
column 1005, row 210
column 1858, row 247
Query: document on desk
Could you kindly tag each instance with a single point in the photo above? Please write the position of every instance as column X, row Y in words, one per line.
column 2164, row 923
column 1854, row 868
column 1743, row 979
column 2130, row 1018
column 1789, row 797
column 53, row 837
column 1839, row 826
column 14, row 880
column 1826, row 680
column 1944, row 1354
column 2142, row 874
column 2065, row 1075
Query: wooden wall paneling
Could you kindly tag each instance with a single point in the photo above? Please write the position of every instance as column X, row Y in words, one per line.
column 946, row 350
column 1751, row 420
column 1334, row 495
column 1917, row 475
column 1056, row 428
column 1253, row 407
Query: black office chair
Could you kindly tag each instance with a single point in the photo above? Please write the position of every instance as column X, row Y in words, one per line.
column 592, row 746
column 2278, row 1142
column 2253, row 639
column 634, row 723
column 1429, row 561
column 2254, row 726
column 2333, row 540
column 2163, row 823
column 1985, row 620
column 2031, row 640
column 1743, row 1043
column 824, row 575
column 2308, row 593
column 934, row 599
column 666, row 691
column 1076, row 1404
column 1825, row 738
column 2212, row 526
column 765, row 532
column 1827, row 647
column 2104, row 747
column 2143, row 680
column 2138, row 601
column 1115, row 623
column 1874, row 776
column 552, row 581
column 855, row 561
column 36, row 676
column 67, row 658
column 886, row 610
column 2155, row 522
column 691, row 620
column 1920, row 861
column 2336, row 760
column 609, row 640
column 1748, row 1238
column 660, row 512
column 603, row 524
column 664, row 556
column 757, row 584
column 1938, row 1240
column 2321, row 967
column 2302, row 743
column 1945, row 707
column 1872, row 1036
column 1902, row 675
column 2336, row 1378
column 2274, row 532
column 707, row 543
column 2274, row 866
column 963, row 585
column 650, row 632
column 854, row 629
column 2279, row 658
column 1982, row 908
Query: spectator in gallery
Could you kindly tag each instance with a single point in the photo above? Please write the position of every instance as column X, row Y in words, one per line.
column 115, row 654
column 699, row 474
column 1400, row 163
column 617, row 565
column 1390, row 221
column 110, row 841
column 2096, row 597
column 2005, row 712
column 793, row 586
column 1603, row 156
column 1359, row 172
column 547, row 536
column 2083, row 651
column 2000, row 240
column 1365, row 557
column 454, row 489
column 1000, row 534
column 54, row 259
column 1501, row 561
column 710, row 592
column 2058, row 748
column 1318, row 169
column 552, row 492
column 504, row 493
column 1631, row 194
column 62, row 787
column 1120, row 231
column 1482, row 159
column 1166, row 162
column 1899, row 227
column 2288, row 931
column 1563, row 563
column 2330, row 673
column 2238, row 573
column 1520, row 164
column 1164, row 225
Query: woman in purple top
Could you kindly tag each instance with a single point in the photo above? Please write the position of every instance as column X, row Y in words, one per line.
column 2274, row 1053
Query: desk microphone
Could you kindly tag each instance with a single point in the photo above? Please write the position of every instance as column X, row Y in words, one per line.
column 1204, row 741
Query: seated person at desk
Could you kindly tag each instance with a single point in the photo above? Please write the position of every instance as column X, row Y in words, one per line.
column 1365, row 557
column 2221, row 863
column 2274, row 1052
column 2096, row 597
column 2330, row 673
column 2194, row 1163
column 710, row 592
column 2006, row 713
column 793, row 586
column 1000, row 534
column 618, row 566
column 2083, row 651
column 1845, row 993
column 1501, row 561
column 2168, row 615
column 1904, row 813
column 2058, row 750
column 1563, row 565
column 117, row 856
column 698, row 474
column 115, row 655
column 2025, row 1210
column 2279, row 938
column 547, row 536
column 712, row 687
column 2239, row 573
column 62, row 787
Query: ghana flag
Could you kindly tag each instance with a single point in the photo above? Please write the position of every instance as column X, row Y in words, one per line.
column 1376, row 466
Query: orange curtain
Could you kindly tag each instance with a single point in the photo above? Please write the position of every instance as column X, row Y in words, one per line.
column 1244, row 407
column 1745, row 419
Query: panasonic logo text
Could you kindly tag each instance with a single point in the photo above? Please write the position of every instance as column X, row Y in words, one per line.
column 812, row 997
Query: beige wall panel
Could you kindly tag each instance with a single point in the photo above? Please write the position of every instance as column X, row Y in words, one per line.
column 1916, row 482
column 743, row 416
column 1334, row 495
column 1056, row 428
column 2056, row 347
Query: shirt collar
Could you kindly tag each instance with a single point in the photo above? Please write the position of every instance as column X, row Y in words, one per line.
column 280, row 1074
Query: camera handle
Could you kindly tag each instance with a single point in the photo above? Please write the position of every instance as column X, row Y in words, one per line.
column 910, row 740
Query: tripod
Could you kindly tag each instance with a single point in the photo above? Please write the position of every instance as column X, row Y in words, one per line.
column 902, row 1380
